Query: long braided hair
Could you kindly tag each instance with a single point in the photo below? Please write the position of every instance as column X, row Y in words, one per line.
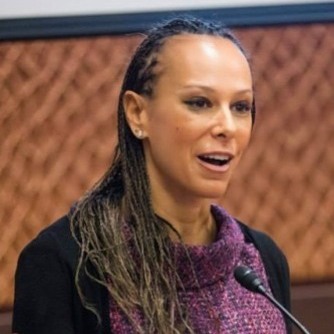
column 114, row 223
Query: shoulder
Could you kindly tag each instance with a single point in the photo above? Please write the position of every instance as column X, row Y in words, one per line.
column 273, row 257
column 274, row 261
column 45, row 290
column 60, row 229
column 263, row 242
column 54, row 241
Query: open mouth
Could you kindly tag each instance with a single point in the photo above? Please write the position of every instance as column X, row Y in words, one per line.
column 216, row 160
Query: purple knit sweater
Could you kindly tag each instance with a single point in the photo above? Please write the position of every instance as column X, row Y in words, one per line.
column 216, row 303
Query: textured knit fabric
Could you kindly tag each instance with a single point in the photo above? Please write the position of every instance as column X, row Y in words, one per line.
column 216, row 303
column 47, row 302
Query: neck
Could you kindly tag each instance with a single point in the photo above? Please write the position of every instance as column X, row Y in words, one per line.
column 194, row 223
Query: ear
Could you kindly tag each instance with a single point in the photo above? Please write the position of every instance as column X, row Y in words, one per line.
column 135, row 112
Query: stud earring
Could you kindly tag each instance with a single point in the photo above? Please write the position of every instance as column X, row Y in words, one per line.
column 139, row 133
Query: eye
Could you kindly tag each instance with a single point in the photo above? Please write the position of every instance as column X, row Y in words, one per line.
column 242, row 107
column 198, row 102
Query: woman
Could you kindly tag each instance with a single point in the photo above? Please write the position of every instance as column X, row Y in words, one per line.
column 148, row 250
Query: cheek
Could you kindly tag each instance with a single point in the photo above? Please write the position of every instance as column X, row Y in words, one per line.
column 244, row 135
column 166, row 138
column 246, row 139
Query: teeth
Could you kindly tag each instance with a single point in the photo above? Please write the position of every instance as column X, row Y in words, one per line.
column 217, row 157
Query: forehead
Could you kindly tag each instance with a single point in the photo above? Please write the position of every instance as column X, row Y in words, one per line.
column 202, row 55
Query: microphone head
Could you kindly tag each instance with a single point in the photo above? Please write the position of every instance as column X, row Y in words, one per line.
column 247, row 278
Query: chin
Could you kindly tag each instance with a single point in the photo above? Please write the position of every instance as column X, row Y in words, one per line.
column 214, row 193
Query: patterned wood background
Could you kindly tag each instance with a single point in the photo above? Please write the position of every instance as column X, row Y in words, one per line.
column 57, row 132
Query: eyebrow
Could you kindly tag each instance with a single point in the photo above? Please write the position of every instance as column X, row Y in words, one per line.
column 210, row 89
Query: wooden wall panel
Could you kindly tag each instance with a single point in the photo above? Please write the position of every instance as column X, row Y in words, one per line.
column 58, row 129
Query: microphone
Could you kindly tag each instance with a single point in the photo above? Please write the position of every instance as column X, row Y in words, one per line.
column 247, row 278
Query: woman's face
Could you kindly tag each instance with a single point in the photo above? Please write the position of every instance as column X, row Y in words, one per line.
column 198, row 122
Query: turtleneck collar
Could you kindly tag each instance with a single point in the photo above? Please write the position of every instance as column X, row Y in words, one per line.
column 200, row 266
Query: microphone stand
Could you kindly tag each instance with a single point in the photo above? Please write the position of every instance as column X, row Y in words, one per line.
column 283, row 310
column 247, row 278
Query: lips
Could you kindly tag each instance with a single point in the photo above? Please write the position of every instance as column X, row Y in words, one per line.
column 215, row 159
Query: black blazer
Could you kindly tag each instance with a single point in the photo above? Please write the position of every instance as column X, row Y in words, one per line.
column 47, row 302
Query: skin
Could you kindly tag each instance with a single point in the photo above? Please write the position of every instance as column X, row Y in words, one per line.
column 201, row 105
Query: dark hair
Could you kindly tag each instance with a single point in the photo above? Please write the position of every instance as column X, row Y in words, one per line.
column 133, row 260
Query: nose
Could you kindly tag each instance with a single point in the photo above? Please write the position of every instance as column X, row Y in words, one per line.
column 224, row 123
